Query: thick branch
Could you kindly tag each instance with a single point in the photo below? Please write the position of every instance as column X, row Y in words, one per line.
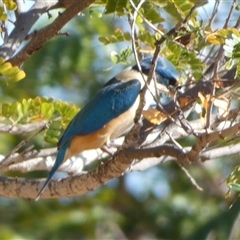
column 204, row 140
column 78, row 185
column 22, row 129
column 40, row 37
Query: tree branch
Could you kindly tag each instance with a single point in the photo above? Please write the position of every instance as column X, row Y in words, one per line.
column 22, row 129
column 39, row 38
column 78, row 185
column 23, row 24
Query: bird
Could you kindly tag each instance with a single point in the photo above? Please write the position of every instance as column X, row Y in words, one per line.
column 110, row 113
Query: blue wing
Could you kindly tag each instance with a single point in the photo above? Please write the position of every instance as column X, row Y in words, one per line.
column 112, row 100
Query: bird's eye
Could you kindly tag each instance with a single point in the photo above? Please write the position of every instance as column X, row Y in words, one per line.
column 173, row 82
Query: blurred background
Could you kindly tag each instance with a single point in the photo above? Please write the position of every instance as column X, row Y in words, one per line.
column 159, row 203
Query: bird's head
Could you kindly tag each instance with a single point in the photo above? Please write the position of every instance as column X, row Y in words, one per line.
column 166, row 73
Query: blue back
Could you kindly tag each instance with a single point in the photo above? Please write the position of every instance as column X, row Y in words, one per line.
column 111, row 101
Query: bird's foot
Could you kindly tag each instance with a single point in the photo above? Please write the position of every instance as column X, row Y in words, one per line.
column 107, row 150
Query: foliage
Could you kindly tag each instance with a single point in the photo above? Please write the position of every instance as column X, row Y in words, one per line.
column 40, row 109
column 6, row 69
column 9, row 72
column 8, row 5
column 233, row 180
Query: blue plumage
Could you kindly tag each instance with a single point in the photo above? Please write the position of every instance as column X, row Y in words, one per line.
column 57, row 163
column 108, row 103
column 110, row 112
column 166, row 72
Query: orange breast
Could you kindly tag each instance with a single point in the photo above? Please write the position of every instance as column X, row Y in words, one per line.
column 86, row 142
column 111, row 130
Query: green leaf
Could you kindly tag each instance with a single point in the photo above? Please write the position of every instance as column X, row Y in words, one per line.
column 5, row 66
column 229, row 64
column 232, row 45
column 3, row 15
column 47, row 109
column 184, row 60
column 56, row 125
column 115, row 58
column 233, row 180
column 5, row 109
column 119, row 36
column 50, row 139
column 116, row 6
column 11, row 71
column 19, row 111
column 122, row 57
column 70, row 113
column 10, row 4
column 146, row 37
column 238, row 7
column 178, row 9
column 150, row 12
column 26, row 105
column 39, row 109
column 235, row 187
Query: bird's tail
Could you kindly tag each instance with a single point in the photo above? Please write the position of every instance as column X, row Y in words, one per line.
column 59, row 160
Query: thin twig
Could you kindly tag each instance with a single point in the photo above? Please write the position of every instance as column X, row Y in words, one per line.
column 233, row 6
column 214, row 12
column 189, row 176
column 7, row 160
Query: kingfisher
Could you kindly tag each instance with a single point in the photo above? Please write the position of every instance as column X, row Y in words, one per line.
column 110, row 113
